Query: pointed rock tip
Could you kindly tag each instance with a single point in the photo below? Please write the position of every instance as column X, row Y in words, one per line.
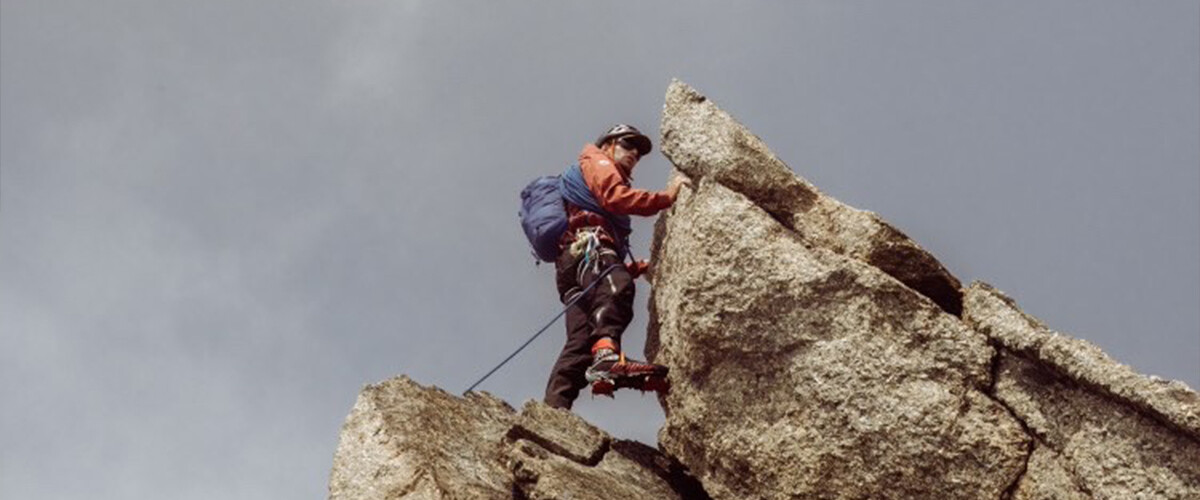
column 406, row 384
column 682, row 90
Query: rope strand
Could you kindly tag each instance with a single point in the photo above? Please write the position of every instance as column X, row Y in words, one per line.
column 539, row 332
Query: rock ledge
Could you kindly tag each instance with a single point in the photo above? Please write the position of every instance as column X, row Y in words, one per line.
column 406, row 441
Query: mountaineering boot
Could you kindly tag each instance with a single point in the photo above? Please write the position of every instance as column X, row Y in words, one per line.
column 611, row 371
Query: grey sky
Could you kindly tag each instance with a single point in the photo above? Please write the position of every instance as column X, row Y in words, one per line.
column 218, row 220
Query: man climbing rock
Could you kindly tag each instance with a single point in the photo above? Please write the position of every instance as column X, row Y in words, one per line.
column 600, row 200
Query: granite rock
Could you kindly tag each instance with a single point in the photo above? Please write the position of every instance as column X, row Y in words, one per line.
column 818, row 352
column 1102, row 430
column 702, row 141
column 815, row 352
column 799, row 371
column 406, row 441
column 994, row 314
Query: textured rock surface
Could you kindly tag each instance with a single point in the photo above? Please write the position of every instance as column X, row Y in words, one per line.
column 800, row 372
column 561, row 432
column 703, row 141
column 545, row 476
column 614, row 469
column 815, row 352
column 402, row 440
column 994, row 314
column 1045, row 479
column 555, row 454
column 405, row 441
column 806, row 364
column 1102, row 430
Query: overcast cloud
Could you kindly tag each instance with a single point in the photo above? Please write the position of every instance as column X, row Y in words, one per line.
column 219, row 220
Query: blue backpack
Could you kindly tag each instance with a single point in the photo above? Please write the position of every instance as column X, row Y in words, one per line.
column 544, row 213
column 543, row 216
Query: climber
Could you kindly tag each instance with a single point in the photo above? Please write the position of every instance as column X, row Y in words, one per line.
column 595, row 242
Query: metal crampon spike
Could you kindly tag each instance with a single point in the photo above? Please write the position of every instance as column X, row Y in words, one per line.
column 603, row 388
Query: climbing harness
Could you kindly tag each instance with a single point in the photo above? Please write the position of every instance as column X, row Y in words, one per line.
column 587, row 246
column 539, row 332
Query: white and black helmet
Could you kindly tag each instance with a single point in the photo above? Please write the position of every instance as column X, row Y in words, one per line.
column 629, row 133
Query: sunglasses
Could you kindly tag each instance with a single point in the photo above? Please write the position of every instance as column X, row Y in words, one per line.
column 629, row 145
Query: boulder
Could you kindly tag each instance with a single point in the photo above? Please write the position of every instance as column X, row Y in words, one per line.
column 406, row 441
column 802, row 372
column 703, row 141
column 994, row 314
column 1101, row 430
column 815, row 352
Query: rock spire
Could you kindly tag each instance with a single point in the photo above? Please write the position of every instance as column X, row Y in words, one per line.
column 815, row 352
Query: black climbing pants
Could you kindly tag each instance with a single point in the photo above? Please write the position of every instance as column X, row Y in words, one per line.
column 604, row 311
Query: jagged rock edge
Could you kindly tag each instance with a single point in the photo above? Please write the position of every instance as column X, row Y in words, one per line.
column 1032, row 354
column 1144, row 408
column 1103, row 392
column 518, row 432
column 987, row 389
column 673, row 473
column 784, row 218
column 425, row 478
column 676, row 475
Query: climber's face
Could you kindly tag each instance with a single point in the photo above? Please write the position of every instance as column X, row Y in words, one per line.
column 625, row 155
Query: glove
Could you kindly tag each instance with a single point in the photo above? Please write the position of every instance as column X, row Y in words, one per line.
column 637, row 268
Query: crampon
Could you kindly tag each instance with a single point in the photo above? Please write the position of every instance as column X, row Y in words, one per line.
column 627, row 374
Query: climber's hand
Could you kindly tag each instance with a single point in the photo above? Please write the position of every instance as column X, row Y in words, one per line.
column 677, row 181
column 637, row 268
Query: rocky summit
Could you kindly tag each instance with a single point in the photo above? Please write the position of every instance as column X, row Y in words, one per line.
column 816, row 352
column 406, row 441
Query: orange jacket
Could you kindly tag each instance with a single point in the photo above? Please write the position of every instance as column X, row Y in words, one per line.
column 611, row 187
